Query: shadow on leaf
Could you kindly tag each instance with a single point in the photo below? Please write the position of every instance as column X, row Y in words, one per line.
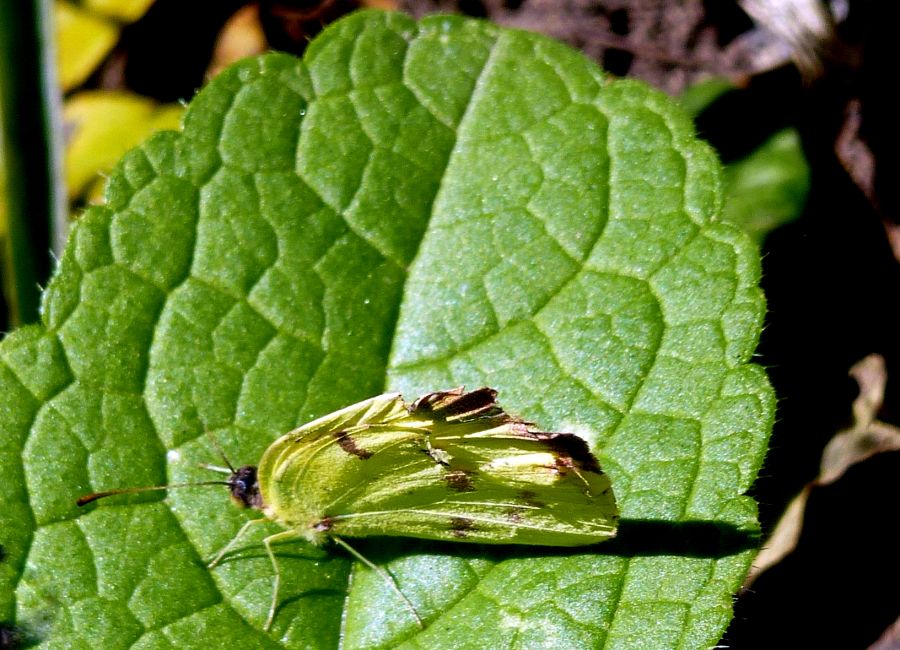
column 12, row 638
column 636, row 537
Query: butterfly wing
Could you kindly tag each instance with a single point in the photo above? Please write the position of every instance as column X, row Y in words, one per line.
column 451, row 466
column 314, row 466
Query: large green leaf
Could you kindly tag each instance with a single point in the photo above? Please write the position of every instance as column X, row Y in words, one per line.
column 412, row 206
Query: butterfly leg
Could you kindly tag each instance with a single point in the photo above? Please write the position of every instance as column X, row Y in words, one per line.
column 234, row 540
column 387, row 577
column 283, row 536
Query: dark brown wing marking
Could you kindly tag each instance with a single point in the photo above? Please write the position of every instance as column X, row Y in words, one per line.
column 460, row 526
column 457, row 405
column 459, row 480
column 348, row 444
column 528, row 498
column 571, row 451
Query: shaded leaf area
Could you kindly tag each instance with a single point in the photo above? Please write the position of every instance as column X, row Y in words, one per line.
column 412, row 206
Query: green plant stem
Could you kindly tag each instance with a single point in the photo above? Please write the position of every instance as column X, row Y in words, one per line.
column 29, row 110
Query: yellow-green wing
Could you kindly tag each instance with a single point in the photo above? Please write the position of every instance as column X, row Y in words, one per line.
column 459, row 468
column 309, row 468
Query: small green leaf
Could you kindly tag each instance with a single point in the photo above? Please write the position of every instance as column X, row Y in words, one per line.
column 414, row 206
column 769, row 187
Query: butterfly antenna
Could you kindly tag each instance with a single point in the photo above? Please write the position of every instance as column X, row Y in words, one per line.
column 221, row 450
column 90, row 498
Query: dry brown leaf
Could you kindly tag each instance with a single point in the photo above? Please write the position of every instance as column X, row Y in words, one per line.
column 861, row 163
column 865, row 438
column 241, row 36
column 890, row 640
column 804, row 28
column 854, row 153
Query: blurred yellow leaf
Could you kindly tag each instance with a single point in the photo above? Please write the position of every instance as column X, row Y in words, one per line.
column 101, row 126
column 83, row 40
column 125, row 11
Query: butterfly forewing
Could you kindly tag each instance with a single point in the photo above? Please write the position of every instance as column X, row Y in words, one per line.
column 307, row 469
